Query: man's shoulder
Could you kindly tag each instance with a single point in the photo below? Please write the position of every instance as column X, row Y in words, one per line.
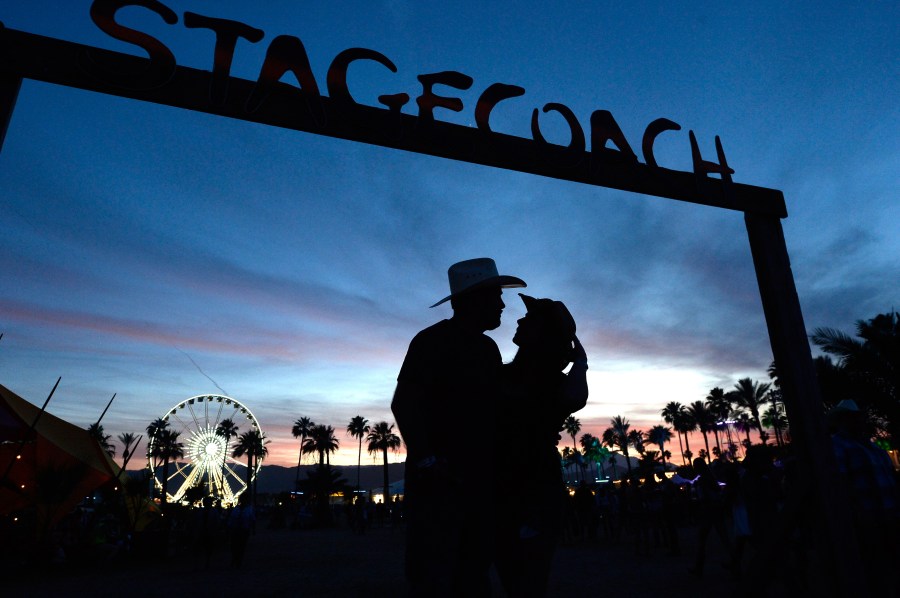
column 437, row 329
column 449, row 331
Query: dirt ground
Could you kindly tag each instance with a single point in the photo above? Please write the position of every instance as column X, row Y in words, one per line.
column 335, row 562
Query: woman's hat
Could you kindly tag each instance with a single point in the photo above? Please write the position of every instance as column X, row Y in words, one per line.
column 555, row 312
column 471, row 275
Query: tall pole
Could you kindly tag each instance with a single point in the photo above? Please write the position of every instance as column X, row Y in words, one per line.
column 28, row 433
column 105, row 410
column 803, row 402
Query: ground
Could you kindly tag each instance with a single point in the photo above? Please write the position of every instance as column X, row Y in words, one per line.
column 335, row 562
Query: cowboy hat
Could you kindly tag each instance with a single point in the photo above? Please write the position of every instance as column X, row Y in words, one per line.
column 845, row 406
column 471, row 275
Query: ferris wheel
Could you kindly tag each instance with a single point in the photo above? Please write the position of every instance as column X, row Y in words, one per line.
column 208, row 462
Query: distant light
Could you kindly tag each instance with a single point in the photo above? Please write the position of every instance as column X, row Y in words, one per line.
column 18, row 456
column 23, row 485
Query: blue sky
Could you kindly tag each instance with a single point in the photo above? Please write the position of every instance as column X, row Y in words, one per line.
column 293, row 269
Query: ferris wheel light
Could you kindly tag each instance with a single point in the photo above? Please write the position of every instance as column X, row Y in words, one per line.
column 208, row 462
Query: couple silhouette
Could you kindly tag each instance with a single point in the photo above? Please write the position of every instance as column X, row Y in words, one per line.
column 483, row 482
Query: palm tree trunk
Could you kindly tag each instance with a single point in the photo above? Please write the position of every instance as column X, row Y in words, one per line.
column 387, row 490
column 706, row 442
column 358, row 463
column 165, row 481
column 680, row 446
column 759, row 428
column 299, row 461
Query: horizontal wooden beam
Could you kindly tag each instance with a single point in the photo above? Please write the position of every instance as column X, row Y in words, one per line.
column 60, row 62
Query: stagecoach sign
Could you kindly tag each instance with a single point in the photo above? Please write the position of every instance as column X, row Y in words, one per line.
column 610, row 161
column 268, row 100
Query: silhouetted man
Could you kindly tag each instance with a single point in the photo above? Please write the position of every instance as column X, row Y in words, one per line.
column 444, row 405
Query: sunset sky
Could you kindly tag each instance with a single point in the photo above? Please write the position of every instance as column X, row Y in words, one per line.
column 158, row 253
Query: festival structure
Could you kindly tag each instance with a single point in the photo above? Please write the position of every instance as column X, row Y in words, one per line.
column 48, row 463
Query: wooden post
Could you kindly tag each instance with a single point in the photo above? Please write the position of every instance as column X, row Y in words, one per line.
column 796, row 371
column 9, row 93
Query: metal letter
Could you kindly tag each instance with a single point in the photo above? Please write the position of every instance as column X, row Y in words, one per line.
column 492, row 96
column 703, row 167
column 227, row 33
column 577, row 144
column 162, row 61
column 428, row 101
column 605, row 128
column 285, row 53
column 336, row 80
column 650, row 133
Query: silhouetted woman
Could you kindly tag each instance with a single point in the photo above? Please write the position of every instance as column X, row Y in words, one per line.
column 538, row 397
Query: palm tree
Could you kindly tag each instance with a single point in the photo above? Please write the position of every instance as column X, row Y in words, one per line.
column 612, row 461
column 251, row 444
column 572, row 427
column 685, row 424
column 743, row 422
column 751, row 396
column 227, row 429
column 321, row 440
column 647, row 462
column 671, row 412
column 381, row 438
column 701, row 414
column 156, row 426
column 590, row 447
column 660, row 435
column 775, row 419
column 636, row 439
column 719, row 406
column 154, row 433
column 128, row 440
column 357, row 428
column 616, row 435
column 168, row 448
column 871, row 366
column 95, row 431
column 302, row 429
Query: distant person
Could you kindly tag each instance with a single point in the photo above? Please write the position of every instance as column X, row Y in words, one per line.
column 710, row 513
column 446, row 398
column 241, row 523
column 538, row 397
column 870, row 484
column 206, row 524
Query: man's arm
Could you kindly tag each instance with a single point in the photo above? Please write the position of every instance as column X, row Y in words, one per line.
column 408, row 406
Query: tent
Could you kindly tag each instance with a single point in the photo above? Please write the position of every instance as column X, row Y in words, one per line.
column 51, row 468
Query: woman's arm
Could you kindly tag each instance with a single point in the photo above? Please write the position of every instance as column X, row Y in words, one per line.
column 575, row 392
